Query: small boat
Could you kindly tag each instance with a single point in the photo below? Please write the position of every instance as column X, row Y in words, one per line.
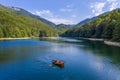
column 58, row 63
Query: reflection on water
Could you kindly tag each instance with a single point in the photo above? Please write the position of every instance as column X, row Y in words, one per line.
column 84, row 60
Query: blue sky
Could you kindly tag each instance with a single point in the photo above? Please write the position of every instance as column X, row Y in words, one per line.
column 65, row 11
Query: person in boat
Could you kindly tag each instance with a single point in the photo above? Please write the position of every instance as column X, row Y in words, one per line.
column 58, row 63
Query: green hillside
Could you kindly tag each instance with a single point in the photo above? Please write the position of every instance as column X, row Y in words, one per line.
column 15, row 25
column 62, row 28
column 106, row 26
column 24, row 12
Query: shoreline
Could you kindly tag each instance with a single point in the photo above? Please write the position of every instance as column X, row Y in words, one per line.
column 14, row 38
column 112, row 43
column 102, row 40
column 22, row 38
column 91, row 39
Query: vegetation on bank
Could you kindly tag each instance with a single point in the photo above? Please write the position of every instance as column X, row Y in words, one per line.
column 106, row 26
column 16, row 25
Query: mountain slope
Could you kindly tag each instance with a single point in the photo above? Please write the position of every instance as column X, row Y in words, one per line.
column 85, row 21
column 106, row 26
column 26, row 13
column 15, row 25
column 89, row 20
column 62, row 28
column 23, row 12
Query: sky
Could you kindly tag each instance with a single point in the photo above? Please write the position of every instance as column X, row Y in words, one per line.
column 64, row 11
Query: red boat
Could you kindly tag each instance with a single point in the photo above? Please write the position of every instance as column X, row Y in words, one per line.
column 58, row 63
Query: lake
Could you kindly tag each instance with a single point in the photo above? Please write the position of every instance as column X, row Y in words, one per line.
column 84, row 60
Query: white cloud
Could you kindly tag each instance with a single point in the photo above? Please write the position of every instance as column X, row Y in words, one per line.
column 43, row 13
column 74, row 16
column 47, row 14
column 97, row 7
column 89, row 16
column 61, row 20
column 67, row 8
column 113, row 4
column 110, row 1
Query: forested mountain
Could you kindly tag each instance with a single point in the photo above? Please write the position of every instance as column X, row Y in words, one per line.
column 17, row 25
column 62, row 28
column 71, row 25
column 86, row 21
column 106, row 26
column 26, row 13
column 23, row 12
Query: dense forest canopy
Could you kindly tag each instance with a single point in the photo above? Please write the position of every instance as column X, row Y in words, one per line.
column 62, row 28
column 16, row 25
column 105, row 26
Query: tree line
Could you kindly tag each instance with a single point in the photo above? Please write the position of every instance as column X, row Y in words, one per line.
column 106, row 26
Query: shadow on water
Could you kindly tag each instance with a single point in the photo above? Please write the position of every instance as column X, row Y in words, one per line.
column 13, row 50
column 55, row 66
column 100, row 49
